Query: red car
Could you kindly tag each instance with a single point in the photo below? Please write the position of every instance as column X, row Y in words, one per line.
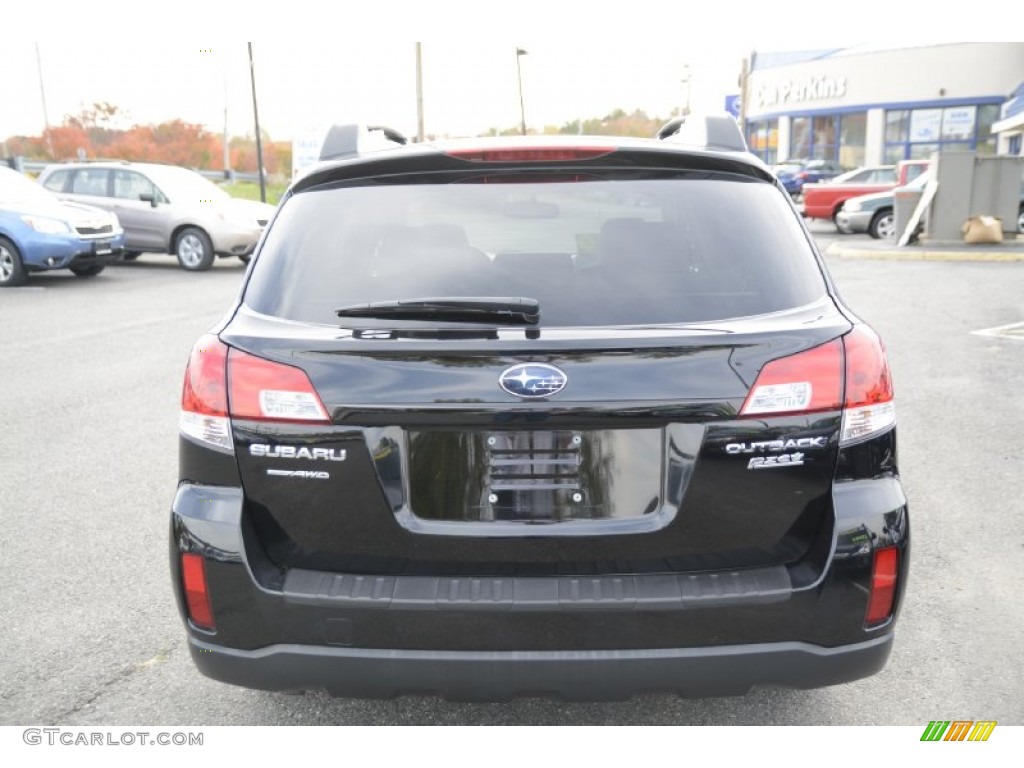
column 824, row 200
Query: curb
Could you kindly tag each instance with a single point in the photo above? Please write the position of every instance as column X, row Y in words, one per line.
column 916, row 253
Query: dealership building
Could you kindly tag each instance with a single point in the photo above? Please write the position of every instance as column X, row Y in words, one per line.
column 871, row 104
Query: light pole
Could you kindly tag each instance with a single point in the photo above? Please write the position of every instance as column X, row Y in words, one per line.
column 42, row 94
column 256, row 118
column 685, row 109
column 520, row 52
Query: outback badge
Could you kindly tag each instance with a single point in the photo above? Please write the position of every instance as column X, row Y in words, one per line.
column 533, row 380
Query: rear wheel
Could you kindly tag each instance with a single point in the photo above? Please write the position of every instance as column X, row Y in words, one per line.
column 89, row 271
column 245, row 258
column 1020, row 220
column 883, row 225
column 194, row 249
column 12, row 270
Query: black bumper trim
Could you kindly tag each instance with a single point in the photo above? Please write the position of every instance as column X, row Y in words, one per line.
column 640, row 592
column 574, row 675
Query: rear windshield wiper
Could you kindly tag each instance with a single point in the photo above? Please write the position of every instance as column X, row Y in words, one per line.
column 510, row 310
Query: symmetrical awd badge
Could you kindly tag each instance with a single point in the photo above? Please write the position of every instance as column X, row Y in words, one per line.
column 532, row 380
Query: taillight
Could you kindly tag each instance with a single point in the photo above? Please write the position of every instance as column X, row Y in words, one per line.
column 869, row 396
column 263, row 390
column 884, row 569
column 849, row 373
column 197, row 593
column 529, row 154
column 801, row 383
column 260, row 390
column 204, row 397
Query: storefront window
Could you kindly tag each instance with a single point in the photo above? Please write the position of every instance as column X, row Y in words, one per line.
column 838, row 138
column 897, row 124
column 987, row 115
column 800, row 138
column 853, row 139
column 824, row 132
column 763, row 139
column 918, row 133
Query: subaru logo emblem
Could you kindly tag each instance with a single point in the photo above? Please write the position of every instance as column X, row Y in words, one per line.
column 532, row 380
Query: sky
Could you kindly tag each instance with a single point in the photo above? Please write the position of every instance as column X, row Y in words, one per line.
column 318, row 63
column 467, row 88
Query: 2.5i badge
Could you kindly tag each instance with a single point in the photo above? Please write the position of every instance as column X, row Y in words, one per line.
column 783, row 460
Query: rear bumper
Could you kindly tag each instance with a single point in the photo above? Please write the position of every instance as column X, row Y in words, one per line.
column 573, row 675
column 575, row 637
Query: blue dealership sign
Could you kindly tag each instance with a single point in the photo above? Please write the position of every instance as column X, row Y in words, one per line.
column 732, row 105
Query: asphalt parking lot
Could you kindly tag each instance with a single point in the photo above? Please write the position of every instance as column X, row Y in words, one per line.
column 90, row 633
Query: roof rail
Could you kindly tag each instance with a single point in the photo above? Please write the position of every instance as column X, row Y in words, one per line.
column 351, row 138
column 714, row 131
column 120, row 160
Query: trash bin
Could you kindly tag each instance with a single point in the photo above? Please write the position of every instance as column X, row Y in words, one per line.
column 905, row 200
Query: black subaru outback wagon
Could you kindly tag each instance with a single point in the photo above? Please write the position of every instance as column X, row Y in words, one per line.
column 580, row 418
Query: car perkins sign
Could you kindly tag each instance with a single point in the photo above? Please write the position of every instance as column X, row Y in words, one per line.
column 814, row 88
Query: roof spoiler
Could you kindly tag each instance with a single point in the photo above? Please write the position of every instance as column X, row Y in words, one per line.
column 716, row 131
column 353, row 138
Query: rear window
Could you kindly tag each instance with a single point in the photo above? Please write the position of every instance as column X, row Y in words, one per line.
column 688, row 249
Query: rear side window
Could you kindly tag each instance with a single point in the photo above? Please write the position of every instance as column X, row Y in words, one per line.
column 594, row 253
column 55, row 181
column 90, row 181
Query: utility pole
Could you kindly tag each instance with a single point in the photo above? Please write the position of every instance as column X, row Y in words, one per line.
column 227, row 151
column 419, row 93
column 520, row 52
column 259, row 141
column 42, row 94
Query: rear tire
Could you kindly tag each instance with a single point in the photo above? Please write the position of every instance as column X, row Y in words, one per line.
column 12, row 269
column 883, row 225
column 194, row 249
column 1020, row 220
column 245, row 259
column 90, row 271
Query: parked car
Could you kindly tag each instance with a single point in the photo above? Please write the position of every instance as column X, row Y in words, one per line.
column 825, row 200
column 793, row 174
column 874, row 213
column 538, row 415
column 165, row 209
column 39, row 232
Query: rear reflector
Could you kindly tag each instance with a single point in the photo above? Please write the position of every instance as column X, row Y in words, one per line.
column 884, row 569
column 204, row 400
column 530, row 154
column 197, row 594
column 267, row 391
column 802, row 383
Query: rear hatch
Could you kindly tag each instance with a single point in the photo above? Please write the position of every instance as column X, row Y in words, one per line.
column 617, row 429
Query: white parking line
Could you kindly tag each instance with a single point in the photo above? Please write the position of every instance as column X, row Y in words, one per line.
column 1011, row 331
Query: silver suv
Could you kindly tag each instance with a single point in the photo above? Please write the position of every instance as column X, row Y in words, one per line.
column 164, row 209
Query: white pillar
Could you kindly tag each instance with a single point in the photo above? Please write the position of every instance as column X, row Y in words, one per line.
column 783, row 136
column 874, row 137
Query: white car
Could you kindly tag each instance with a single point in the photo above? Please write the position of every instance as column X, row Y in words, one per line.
column 164, row 209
